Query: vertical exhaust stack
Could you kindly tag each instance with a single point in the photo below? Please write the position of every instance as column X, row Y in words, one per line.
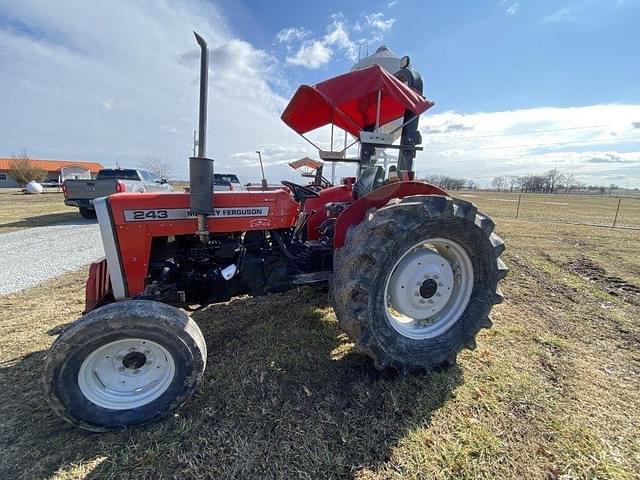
column 201, row 167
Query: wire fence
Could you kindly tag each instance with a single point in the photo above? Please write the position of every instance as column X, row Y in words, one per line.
column 602, row 211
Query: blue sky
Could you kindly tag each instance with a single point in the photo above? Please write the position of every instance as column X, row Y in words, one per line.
column 481, row 55
column 520, row 86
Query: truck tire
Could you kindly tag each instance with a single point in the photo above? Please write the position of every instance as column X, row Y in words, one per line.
column 125, row 364
column 416, row 281
column 87, row 213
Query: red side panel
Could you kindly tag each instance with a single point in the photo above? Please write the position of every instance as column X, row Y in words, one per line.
column 355, row 212
column 97, row 285
column 315, row 206
column 140, row 217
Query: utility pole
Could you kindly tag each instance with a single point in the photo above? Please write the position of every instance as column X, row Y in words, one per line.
column 264, row 179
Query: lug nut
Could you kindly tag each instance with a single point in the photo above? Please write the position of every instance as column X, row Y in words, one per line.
column 430, row 301
column 436, row 277
column 121, row 369
column 148, row 363
column 136, row 371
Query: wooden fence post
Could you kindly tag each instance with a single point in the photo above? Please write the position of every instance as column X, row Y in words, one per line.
column 617, row 210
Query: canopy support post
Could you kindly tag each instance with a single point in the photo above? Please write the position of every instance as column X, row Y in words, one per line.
column 350, row 145
column 316, row 146
column 403, row 125
column 378, row 110
column 332, row 137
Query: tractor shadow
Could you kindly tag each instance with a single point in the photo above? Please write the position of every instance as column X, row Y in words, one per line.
column 283, row 394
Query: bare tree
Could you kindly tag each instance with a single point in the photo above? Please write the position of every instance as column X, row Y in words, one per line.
column 499, row 182
column 158, row 166
column 533, row 183
column 568, row 179
column 446, row 182
column 23, row 170
column 552, row 178
column 513, row 181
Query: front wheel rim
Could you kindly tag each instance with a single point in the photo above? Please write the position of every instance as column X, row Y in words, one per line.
column 428, row 288
column 126, row 374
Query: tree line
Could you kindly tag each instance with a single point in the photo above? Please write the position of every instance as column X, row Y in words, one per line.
column 553, row 181
column 450, row 183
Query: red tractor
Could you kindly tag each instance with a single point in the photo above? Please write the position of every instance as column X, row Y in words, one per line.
column 413, row 272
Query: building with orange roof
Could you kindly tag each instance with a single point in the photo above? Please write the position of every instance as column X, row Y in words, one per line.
column 56, row 170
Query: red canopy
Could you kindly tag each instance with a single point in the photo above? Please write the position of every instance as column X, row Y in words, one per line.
column 350, row 101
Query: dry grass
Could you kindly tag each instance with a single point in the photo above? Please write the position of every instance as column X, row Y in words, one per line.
column 588, row 209
column 18, row 210
column 551, row 392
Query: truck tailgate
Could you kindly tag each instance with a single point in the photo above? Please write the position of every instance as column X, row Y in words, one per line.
column 89, row 189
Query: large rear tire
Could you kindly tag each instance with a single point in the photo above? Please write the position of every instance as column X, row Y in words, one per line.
column 125, row 364
column 416, row 281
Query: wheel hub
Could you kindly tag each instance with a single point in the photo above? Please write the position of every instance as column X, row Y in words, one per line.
column 126, row 374
column 422, row 284
column 134, row 360
column 428, row 288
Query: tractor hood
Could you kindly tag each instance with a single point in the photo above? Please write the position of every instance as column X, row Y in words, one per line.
column 350, row 102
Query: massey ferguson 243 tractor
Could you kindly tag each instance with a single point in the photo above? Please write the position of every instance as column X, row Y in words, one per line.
column 413, row 273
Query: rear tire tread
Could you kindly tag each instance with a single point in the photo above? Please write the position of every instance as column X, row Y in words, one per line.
column 353, row 279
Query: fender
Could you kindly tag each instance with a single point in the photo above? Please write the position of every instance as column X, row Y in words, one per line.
column 355, row 212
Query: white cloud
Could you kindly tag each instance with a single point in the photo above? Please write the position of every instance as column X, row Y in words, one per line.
column 591, row 141
column 314, row 54
column 115, row 81
column 563, row 14
column 108, row 103
column 512, row 9
column 377, row 21
column 287, row 35
column 337, row 36
column 392, row 3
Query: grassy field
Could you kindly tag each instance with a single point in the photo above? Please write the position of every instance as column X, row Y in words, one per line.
column 585, row 209
column 551, row 392
column 18, row 210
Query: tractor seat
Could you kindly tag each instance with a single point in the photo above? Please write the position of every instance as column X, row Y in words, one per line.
column 370, row 179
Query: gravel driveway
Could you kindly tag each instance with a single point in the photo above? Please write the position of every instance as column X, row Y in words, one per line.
column 34, row 255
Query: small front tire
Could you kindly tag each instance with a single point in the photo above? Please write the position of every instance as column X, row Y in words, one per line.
column 125, row 364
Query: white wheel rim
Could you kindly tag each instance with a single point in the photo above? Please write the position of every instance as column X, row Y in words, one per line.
column 126, row 374
column 428, row 288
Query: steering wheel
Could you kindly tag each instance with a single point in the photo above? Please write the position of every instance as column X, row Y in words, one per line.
column 300, row 192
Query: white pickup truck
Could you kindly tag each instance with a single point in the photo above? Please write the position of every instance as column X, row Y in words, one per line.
column 82, row 193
